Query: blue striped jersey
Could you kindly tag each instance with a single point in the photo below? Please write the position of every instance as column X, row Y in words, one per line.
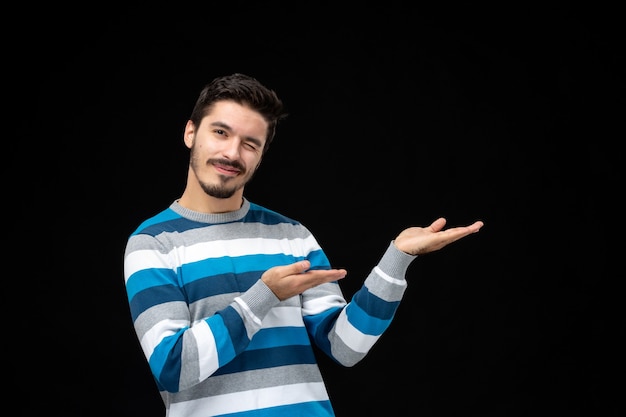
column 217, row 340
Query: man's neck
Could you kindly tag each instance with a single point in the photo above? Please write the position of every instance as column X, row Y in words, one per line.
column 203, row 203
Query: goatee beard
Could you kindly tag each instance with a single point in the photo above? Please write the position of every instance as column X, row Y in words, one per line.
column 218, row 191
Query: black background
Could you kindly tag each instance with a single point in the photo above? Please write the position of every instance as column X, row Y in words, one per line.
column 398, row 114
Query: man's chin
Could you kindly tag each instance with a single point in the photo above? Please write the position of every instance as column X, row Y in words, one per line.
column 219, row 192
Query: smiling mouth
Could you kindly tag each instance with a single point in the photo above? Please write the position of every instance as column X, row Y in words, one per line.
column 227, row 169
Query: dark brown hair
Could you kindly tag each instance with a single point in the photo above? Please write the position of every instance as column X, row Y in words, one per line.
column 244, row 90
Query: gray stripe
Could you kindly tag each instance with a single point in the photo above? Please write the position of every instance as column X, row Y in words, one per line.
column 175, row 310
column 249, row 380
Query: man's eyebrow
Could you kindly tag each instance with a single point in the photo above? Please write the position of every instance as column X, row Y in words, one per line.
column 220, row 124
column 254, row 140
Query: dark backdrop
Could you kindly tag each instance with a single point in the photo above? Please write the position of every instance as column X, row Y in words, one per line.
column 398, row 115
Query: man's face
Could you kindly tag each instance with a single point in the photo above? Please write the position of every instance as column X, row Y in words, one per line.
column 226, row 148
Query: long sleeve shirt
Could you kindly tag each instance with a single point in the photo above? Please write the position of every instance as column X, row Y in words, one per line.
column 217, row 339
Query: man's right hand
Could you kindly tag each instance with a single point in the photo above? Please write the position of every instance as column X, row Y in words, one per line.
column 285, row 281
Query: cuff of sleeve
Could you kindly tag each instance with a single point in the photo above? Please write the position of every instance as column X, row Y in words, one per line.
column 259, row 299
column 395, row 262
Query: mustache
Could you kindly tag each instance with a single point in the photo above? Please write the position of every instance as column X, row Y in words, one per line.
column 226, row 162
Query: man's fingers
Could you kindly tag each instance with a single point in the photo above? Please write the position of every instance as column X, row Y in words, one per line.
column 316, row 277
column 288, row 280
column 438, row 224
column 475, row 227
column 311, row 277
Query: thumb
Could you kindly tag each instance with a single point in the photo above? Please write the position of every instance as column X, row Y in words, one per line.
column 297, row 267
column 304, row 265
column 438, row 224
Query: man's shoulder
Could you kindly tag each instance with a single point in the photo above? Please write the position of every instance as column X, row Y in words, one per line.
column 268, row 216
column 166, row 220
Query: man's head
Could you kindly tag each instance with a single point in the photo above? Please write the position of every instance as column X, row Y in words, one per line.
column 246, row 91
column 229, row 131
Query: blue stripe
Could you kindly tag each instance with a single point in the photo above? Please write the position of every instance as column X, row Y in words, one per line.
column 224, row 344
column 231, row 274
column 319, row 326
column 375, row 306
column 175, row 225
column 248, row 268
column 148, row 278
column 220, row 284
column 157, row 282
column 258, row 214
column 154, row 225
column 364, row 323
column 268, row 358
column 211, row 267
column 170, row 347
column 170, row 221
column 279, row 336
column 236, row 329
column 150, row 297
column 318, row 260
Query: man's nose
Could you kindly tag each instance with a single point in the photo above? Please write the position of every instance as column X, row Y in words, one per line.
column 231, row 148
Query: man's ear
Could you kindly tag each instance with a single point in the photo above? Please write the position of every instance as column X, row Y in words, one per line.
column 189, row 133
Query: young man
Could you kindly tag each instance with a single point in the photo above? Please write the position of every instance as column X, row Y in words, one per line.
column 227, row 296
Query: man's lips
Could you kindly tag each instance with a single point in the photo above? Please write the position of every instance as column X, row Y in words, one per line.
column 227, row 169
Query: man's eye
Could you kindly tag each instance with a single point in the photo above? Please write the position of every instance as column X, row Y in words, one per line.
column 219, row 132
column 250, row 146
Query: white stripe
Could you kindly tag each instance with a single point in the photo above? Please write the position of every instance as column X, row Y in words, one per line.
column 386, row 277
column 207, row 350
column 145, row 259
column 354, row 339
column 240, row 247
column 320, row 304
column 289, row 316
column 158, row 332
column 249, row 312
column 250, row 400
